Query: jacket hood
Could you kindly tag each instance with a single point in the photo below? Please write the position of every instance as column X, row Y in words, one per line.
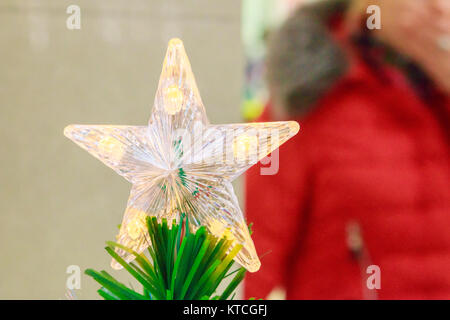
column 303, row 59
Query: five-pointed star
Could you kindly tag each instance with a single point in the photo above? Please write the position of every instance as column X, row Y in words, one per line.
column 180, row 163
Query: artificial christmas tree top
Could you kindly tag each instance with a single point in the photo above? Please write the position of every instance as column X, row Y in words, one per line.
column 181, row 164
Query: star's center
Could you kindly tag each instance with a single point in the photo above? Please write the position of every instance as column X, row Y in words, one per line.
column 175, row 176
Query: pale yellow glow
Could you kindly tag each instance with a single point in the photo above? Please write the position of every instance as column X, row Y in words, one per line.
column 217, row 229
column 244, row 146
column 111, row 147
column 227, row 234
column 173, row 98
column 137, row 226
column 175, row 42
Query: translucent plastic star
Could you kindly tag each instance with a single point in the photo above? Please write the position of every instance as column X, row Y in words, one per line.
column 179, row 163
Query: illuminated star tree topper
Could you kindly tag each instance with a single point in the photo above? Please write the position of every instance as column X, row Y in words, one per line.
column 181, row 164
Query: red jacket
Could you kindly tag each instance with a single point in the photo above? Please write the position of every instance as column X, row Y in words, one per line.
column 373, row 155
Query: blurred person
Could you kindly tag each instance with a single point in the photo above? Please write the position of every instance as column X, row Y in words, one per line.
column 366, row 182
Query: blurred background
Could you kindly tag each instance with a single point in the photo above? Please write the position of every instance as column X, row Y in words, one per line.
column 58, row 204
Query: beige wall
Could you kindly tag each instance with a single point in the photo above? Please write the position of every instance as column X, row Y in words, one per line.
column 58, row 205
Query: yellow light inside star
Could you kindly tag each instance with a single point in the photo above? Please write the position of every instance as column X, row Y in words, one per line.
column 218, row 230
column 111, row 147
column 227, row 234
column 244, row 146
column 173, row 98
column 137, row 226
column 215, row 227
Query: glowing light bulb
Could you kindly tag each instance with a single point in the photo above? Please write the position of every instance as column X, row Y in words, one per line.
column 137, row 226
column 244, row 146
column 227, row 234
column 217, row 229
column 173, row 99
column 111, row 147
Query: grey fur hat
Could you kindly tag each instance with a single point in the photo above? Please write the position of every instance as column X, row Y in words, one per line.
column 303, row 60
